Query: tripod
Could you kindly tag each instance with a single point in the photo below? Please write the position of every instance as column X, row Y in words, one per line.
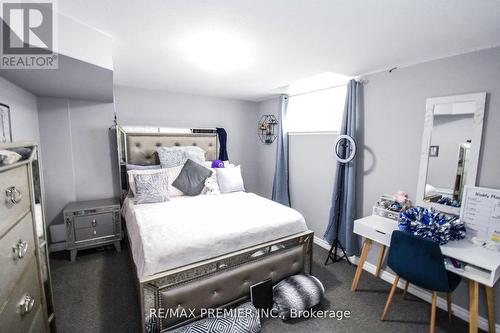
column 336, row 241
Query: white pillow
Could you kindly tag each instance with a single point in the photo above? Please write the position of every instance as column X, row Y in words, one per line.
column 131, row 173
column 230, row 179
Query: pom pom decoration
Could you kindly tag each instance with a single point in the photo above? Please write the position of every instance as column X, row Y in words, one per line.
column 217, row 164
column 431, row 224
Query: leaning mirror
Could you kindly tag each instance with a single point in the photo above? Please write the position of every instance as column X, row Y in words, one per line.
column 451, row 144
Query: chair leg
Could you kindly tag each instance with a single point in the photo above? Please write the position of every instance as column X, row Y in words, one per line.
column 389, row 299
column 448, row 301
column 406, row 288
column 433, row 312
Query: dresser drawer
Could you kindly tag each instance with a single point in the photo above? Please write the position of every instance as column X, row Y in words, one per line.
column 14, row 195
column 92, row 221
column 101, row 230
column 20, row 310
column 16, row 251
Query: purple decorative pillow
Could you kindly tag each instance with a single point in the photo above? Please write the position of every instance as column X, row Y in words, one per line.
column 217, row 164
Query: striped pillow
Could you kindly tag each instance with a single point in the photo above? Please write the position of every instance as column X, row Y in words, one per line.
column 298, row 292
column 151, row 188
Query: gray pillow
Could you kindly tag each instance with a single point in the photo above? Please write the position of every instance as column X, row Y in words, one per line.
column 151, row 187
column 299, row 292
column 174, row 156
column 191, row 180
column 244, row 318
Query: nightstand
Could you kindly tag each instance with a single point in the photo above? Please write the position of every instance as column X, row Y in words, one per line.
column 92, row 224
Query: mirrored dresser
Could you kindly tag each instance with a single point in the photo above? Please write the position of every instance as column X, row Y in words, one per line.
column 26, row 303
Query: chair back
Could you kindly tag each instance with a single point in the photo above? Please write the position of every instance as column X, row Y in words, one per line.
column 418, row 260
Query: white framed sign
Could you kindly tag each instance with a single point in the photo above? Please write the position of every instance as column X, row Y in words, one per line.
column 481, row 212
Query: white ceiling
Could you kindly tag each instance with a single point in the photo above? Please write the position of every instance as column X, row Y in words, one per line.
column 288, row 39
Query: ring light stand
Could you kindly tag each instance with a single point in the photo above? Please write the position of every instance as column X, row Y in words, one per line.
column 336, row 244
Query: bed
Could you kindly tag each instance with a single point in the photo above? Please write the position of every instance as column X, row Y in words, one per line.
column 203, row 251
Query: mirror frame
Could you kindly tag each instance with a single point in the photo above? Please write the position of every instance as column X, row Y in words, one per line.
column 477, row 131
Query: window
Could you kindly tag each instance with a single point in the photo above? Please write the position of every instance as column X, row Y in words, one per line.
column 318, row 111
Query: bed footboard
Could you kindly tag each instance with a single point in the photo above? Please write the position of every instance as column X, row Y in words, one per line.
column 175, row 297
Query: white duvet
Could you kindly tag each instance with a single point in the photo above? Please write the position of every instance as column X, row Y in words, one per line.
column 185, row 230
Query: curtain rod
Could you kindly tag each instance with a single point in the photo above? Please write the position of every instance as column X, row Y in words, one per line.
column 326, row 88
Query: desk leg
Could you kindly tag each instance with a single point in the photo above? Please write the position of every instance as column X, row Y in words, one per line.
column 473, row 305
column 491, row 309
column 364, row 253
column 380, row 260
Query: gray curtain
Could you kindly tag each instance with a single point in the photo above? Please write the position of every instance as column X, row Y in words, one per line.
column 281, row 192
column 344, row 187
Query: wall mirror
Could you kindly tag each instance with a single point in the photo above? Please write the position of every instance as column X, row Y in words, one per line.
column 451, row 144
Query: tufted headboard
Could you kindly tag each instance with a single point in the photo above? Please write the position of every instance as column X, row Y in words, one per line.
column 141, row 148
column 137, row 145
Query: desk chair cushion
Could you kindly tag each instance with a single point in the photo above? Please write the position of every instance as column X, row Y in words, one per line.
column 420, row 262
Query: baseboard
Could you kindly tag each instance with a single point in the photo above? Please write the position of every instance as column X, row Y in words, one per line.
column 321, row 243
column 425, row 295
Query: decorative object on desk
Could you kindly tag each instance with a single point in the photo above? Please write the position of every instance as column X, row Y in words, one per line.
column 487, row 244
column 5, row 125
column 266, row 129
column 431, row 224
column 389, row 206
column 217, row 164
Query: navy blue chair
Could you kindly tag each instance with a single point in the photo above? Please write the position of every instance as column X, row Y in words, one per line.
column 420, row 262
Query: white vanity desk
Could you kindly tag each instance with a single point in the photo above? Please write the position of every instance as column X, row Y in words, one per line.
column 379, row 229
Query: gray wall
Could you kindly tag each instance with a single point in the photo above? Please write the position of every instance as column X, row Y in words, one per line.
column 394, row 108
column 23, row 111
column 79, row 152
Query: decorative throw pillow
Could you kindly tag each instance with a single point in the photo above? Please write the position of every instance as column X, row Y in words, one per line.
column 151, row 188
column 299, row 292
column 175, row 156
column 191, row 180
column 244, row 318
column 131, row 173
column 172, row 174
column 230, row 179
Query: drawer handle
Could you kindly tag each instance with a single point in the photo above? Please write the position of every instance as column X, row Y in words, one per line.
column 94, row 223
column 14, row 196
column 20, row 249
column 380, row 232
column 27, row 304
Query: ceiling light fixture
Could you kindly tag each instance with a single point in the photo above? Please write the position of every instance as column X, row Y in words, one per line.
column 218, row 51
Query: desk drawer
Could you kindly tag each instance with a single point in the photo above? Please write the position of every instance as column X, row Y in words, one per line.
column 14, row 195
column 16, row 251
column 376, row 228
column 93, row 221
column 27, row 293
column 101, row 230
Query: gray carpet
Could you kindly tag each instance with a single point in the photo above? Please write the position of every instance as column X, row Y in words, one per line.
column 96, row 293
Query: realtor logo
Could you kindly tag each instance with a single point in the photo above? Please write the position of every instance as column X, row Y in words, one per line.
column 28, row 36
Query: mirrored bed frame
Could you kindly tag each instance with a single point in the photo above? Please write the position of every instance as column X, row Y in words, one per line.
column 221, row 281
